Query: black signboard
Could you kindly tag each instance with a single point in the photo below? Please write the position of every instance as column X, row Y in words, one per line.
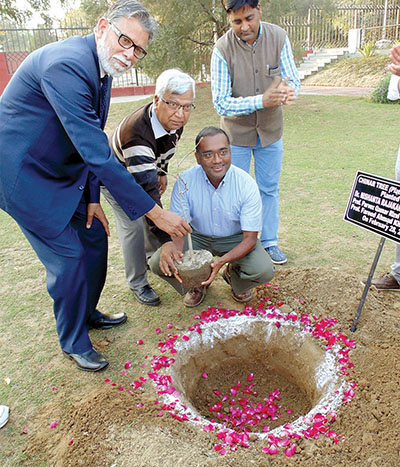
column 374, row 204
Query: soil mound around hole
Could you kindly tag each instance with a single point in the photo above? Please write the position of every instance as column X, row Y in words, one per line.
column 110, row 429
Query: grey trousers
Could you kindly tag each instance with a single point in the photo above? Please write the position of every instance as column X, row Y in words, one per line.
column 396, row 266
column 137, row 243
column 254, row 269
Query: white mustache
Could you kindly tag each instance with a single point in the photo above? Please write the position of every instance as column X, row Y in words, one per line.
column 122, row 59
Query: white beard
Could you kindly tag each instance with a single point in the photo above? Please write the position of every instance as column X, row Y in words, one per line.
column 113, row 69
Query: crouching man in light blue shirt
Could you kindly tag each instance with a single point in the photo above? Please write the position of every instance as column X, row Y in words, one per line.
column 223, row 206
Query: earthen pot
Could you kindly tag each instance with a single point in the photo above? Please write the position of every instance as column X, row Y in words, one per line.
column 195, row 267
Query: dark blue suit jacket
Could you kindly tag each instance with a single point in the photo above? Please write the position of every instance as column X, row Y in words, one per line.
column 52, row 142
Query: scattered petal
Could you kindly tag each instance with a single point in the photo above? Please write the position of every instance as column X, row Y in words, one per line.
column 290, row 450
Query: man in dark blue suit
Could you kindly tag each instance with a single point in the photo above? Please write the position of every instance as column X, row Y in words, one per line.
column 53, row 153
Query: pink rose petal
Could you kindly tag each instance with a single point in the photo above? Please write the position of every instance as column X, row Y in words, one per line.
column 290, row 450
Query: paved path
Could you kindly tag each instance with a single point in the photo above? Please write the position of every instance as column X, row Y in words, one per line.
column 311, row 90
column 117, row 100
column 335, row 91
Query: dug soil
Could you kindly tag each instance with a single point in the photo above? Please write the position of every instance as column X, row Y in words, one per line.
column 113, row 427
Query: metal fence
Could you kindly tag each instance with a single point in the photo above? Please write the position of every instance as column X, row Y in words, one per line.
column 323, row 29
column 133, row 77
column 17, row 43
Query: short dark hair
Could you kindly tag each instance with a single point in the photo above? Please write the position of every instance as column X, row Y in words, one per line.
column 210, row 131
column 235, row 5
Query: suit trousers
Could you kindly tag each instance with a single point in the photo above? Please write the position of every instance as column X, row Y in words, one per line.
column 76, row 267
column 253, row 269
column 137, row 243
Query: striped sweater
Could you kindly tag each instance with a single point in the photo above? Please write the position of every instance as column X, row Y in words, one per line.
column 135, row 145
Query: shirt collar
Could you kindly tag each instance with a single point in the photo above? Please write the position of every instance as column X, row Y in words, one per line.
column 223, row 181
column 102, row 72
column 158, row 130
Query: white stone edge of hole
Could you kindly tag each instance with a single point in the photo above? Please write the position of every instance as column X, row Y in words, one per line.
column 329, row 368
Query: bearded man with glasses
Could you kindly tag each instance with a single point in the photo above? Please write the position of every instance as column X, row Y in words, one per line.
column 144, row 142
column 53, row 154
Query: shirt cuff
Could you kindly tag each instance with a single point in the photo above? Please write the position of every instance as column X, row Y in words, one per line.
column 258, row 103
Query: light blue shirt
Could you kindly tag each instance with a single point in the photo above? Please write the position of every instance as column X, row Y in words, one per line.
column 233, row 207
column 221, row 85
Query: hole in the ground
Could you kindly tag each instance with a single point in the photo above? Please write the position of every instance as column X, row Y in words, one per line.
column 285, row 358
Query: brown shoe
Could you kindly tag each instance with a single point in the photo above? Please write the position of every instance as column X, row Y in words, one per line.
column 243, row 297
column 386, row 282
column 195, row 296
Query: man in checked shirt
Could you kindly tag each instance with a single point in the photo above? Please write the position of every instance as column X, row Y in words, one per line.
column 144, row 142
column 253, row 74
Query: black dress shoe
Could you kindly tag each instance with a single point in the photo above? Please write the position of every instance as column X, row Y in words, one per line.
column 92, row 360
column 108, row 321
column 147, row 296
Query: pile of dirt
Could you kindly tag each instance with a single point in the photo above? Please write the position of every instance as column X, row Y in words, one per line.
column 115, row 427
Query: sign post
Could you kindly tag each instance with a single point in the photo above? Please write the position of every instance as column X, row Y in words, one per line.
column 374, row 205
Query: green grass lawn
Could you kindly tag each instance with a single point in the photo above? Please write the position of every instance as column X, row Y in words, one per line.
column 326, row 140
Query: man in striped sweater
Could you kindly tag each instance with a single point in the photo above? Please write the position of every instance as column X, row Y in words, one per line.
column 144, row 142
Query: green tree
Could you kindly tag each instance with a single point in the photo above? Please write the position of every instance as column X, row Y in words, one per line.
column 10, row 11
column 189, row 28
column 93, row 10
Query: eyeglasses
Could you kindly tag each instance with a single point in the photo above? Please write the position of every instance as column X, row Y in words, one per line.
column 175, row 106
column 208, row 155
column 127, row 43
